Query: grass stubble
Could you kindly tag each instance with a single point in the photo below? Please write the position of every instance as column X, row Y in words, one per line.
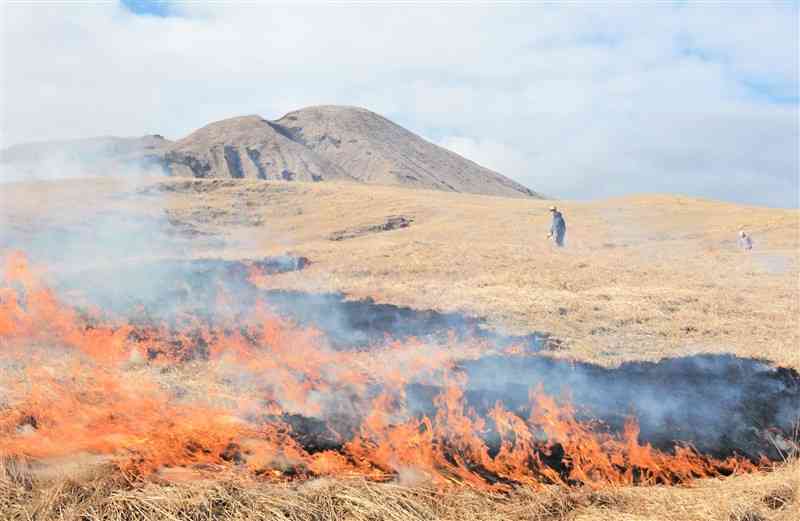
column 643, row 278
column 99, row 493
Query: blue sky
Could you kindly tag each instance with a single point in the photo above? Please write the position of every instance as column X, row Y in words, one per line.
column 578, row 101
column 147, row 7
column 771, row 91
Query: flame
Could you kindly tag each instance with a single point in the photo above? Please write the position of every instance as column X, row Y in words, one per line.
column 189, row 394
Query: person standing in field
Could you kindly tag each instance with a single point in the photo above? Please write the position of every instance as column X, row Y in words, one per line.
column 558, row 229
column 745, row 242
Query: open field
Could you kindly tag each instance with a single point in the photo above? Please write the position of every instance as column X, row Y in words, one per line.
column 641, row 278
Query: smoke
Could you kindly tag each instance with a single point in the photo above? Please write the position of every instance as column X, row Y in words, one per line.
column 167, row 335
column 722, row 405
column 64, row 230
column 61, row 168
column 719, row 403
column 100, row 157
column 773, row 263
column 89, row 255
column 307, row 384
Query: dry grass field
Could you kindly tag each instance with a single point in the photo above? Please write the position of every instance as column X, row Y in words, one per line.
column 641, row 278
column 772, row 496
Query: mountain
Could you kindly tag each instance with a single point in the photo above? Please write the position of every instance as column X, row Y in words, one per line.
column 99, row 156
column 248, row 147
column 312, row 144
column 374, row 150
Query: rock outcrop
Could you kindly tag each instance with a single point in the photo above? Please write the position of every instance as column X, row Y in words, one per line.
column 321, row 143
column 248, row 147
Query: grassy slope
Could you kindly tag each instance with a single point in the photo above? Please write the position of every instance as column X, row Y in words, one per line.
column 641, row 278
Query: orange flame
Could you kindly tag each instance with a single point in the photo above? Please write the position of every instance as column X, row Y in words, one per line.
column 84, row 383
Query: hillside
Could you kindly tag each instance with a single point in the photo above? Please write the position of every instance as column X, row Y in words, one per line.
column 312, row 144
column 247, row 147
column 375, row 150
column 639, row 280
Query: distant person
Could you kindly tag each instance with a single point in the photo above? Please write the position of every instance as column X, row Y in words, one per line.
column 745, row 242
column 558, row 229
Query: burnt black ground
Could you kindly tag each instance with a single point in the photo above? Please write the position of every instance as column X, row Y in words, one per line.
column 720, row 404
column 167, row 287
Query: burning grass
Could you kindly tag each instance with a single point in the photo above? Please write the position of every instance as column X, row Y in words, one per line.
column 106, row 495
column 117, row 410
column 277, row 403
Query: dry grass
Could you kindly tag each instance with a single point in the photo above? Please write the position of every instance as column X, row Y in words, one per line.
column 108, row 496
column 642, row 278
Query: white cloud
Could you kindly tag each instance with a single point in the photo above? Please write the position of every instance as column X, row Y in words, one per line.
column 576, row 102
column 491, row 154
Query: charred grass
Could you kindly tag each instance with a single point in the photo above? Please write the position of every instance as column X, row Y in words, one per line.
column 641, row 279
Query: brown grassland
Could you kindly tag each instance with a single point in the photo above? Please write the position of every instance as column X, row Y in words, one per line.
column 642, row 278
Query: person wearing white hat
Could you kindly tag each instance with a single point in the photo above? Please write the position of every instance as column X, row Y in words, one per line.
column 745, row 242
column 558, row 229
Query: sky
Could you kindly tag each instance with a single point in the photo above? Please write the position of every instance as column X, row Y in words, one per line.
column 577, row 100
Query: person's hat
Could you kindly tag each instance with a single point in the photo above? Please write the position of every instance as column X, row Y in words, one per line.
column 552, row 208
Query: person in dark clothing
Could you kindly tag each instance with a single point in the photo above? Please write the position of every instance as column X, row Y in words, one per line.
column 745, row 242
column 558, row 229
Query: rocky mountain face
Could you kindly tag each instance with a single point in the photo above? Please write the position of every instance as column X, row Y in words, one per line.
column 374, row 150
column 247, row 147
column 313, row 144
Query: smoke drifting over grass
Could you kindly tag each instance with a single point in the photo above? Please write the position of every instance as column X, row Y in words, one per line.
column 286, row 386
column 128, row 158
column 334, row 382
